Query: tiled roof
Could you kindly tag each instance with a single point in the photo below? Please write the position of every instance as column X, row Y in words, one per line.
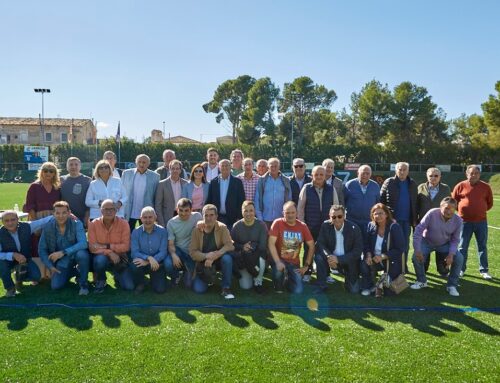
column 182, row 140
column 47, row 121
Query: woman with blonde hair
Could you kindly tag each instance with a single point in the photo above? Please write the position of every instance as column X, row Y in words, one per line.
column 105, row 186
column 40, row 199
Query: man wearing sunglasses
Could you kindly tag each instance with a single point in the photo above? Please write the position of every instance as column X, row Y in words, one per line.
column 299, row 178
column 339, row 247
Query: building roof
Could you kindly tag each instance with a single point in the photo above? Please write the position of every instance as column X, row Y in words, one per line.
column 181, row 140
column 23, row 121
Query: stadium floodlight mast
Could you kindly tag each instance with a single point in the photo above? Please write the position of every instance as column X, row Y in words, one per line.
column 42, row 91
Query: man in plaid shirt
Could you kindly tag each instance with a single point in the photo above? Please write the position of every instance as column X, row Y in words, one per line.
column 249, row 179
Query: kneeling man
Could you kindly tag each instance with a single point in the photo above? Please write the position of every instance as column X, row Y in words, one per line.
column 63, row 247
column 339, row 244
column 439, row 231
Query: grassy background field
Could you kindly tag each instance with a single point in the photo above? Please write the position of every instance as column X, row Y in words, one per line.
column 181, row 336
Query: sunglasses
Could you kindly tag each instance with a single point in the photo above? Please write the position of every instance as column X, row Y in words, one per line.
column 298, row 166
column 198, row 171
column 433, row 176
column 104, row 167
column 48, row 170
column 337, row 216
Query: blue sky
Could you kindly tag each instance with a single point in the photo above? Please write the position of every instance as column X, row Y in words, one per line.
column 145, row 62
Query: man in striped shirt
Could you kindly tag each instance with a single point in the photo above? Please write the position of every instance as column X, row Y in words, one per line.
column 249, row 179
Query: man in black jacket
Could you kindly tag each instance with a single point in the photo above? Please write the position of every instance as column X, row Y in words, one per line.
column 227, row 194
column 339, row 247
column 299, row 178
column 399, row 193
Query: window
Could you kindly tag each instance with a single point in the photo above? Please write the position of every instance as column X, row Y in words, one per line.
column 48, row 136
column 64, row 138
column 23, row 136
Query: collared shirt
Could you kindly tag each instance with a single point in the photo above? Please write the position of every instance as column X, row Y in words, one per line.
column 249, row 185
column 272, row 200
column 433, row 190
column 300, row 182
column 144, row 244
column 176, row 189
column 117, row 236
column 320, row 195
column 436, row 231
column 364, row 188
column 224, row 186
column 212, row 172
column 339, row 241
column 139, row 191
column 34, row 226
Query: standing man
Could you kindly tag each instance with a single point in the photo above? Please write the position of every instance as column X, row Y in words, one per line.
column 249, row 179
column 360, row 194
column 340, row 245
column 474, row 198
column 262, row 167
column 169, row 191
column 109, row 241
column 227, row 194
column 140, row 186
column 273, row 190
column 336, row 182
column 179, row 230
column 439, row 230
column 236, row 158
column 399, row 193
column 286, row 237
column 429, row 196
column 212, row 168
column 63, row 247
column 164, row 171
column 16, row 250
column 299, row 178
column 148, row 251
column 74, row 188
column 210, row 248
column 111, row 158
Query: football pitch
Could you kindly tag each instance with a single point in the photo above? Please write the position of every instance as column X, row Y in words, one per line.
column 419, row 336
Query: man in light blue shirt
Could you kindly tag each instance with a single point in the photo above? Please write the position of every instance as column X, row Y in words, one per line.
column 16, row 250
column 273, row 190
column 148, row 246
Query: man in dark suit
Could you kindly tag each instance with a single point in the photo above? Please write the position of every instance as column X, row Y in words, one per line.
column 339, row 246
column 227, row 194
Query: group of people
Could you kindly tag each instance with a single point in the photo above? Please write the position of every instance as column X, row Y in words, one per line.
column 226, row 217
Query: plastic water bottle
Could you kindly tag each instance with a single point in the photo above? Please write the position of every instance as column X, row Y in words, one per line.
column 16, row 207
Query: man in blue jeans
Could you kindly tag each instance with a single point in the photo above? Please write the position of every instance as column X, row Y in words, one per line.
column 148, row 247
column 179, row 230
column 210, row 249
column 16, row 250
column 439, row 230
column 63, row 247
column 286, row 237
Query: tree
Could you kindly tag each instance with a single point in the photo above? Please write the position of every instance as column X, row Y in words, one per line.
column 258, row 117
column 230, row 101
column 491, row 110
column 301, row 98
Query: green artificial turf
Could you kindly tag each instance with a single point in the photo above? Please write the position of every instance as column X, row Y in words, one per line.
column 190, row 337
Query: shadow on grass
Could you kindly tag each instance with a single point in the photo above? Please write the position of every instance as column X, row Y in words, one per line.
column 430, row 311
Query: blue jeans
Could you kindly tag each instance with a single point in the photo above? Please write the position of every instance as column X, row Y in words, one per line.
column 225, row 264
column 406, row 228
column 480, row 230
column 294, row 281
column 350, row 269
column 427, row 249
column 82, row 259
column 33, row 272
column 158, row 277
column 187, row 262
column 124, row 277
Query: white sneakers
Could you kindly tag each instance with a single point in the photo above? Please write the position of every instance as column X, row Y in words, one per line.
column 452, row 290
column 419, row 285
column 486, row 276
